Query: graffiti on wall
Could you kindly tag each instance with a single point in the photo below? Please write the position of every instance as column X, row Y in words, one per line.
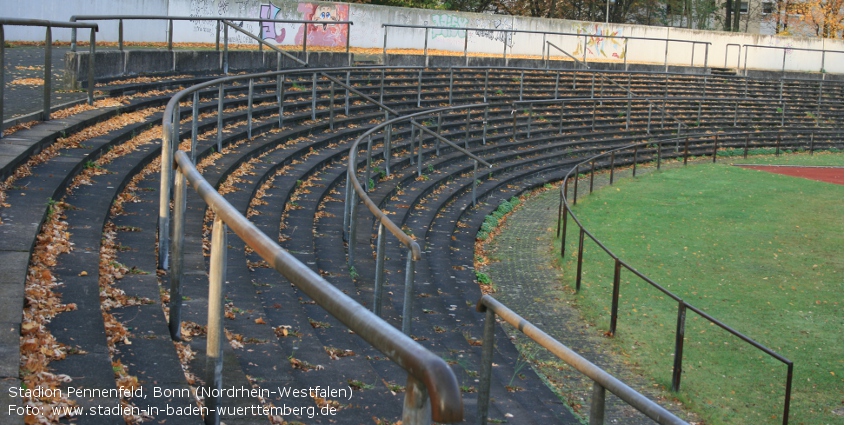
column 323, row 34
column 453, row 21
column 212, row 8
column 500, row 36
column 599, row 42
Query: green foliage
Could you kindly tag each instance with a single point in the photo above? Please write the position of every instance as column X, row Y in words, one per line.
column 482, row 278
column 492, row 220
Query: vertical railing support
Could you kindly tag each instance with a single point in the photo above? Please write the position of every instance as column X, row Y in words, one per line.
column 679, row 346
column 715, row 147
column 92, row 48
column 353, row 228
column 419, row 88
column 580, row 259
column 170, row 35
column 387, row 149
column 215, row 338
column 313, row 95
column 451, row 82
column 379, row 280
column 249, row 102
column 48, row 73
column 592, row 174
column 648, row 125
column 474, row 180
column 597, row 405
column 220, row 118
column 575, row 188
column 177, row 250
column 788, row 394
column 812, row 137
column 486, row 366
column 530, row 113
column 777, row 146
column 2, row 74
column 195, row 112
column 686, row 150
column 636, row 148
column 368, row 171
column 612, row 163
column 408, row 308
column 484, row 123
column 745, row 152
column 614, row 307
column 466, row 130
column 225, row 64
column 280, row 99
column 120, row 34
column 563, row 230
column 417, row 406
column 331, row 106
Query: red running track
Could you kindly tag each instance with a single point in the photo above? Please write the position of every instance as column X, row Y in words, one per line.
column 823, row 174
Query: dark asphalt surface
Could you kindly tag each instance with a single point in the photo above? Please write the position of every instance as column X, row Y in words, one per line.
column 28, row 62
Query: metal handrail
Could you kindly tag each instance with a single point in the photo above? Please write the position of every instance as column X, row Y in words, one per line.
column 785, row 51
column 430, row 379
column 601, row 380
column 738, row 52
column 48, row 60
column 167, row 149
column 354, row 190
column 219, row 20
column 565, row 211
column 515, row 31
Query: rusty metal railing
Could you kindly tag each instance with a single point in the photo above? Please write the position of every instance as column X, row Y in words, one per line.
column 48, row 59
column 431, row 391
column 222, row 27
column 601, row 380
column 652, row 151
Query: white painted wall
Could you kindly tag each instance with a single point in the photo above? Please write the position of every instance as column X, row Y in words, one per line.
column 62, row 10
column 368, row 32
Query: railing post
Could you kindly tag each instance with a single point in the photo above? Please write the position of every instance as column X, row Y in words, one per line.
column 474, row 180
column 614, row 307
column 379, row 280
column 347, row 203
column 563, row 229
column 384, row 51
column 305, row 45
column 217, row 37
column 215, row 338
column 346, row 98
column 387, row 150
column 425, row 47
column 505, row 48
column 686, row 150
column 381, row 87
column 594, row 117
column 249, row 109
column 484, row 123
column 575, row 188
column 580, row 259
column 451, row 81
column 120, row 34
column 417, row 406
column 411, row 145
column 513, row 112
column 659, row 154
column 777, row 145
column 170, row 35
column 612, row 162
column 625, row 54
column 348, row 56
column 745, row 153
column 331, row 106
column 408, row 308
column 486, row 371
column 677, row 368
column 788, row 394
column 48, row 73
column 592, row 174
column 812, row 134
column 635, row 161
column 648, row 126
column 368, row 171
column 559, row 212
column 195, row 112
column 313, row 95
column 436, row 140
column 486, row 81
column 353, row 226
column 560, row 124
column 177, row 248
column 597, row 405
column 466, row 42
column 72, row 37
column 782, row 114
column 220, row 118
column 666, row 57
column 530, row 112
column 521, row 84
column 225, row 48
column 715, row 147
column 419, row 88
column 419, row 154
column 280, row 98
column 466, row 132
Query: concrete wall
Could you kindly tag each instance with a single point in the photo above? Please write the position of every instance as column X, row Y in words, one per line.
column 590, row 41
column 62, row 10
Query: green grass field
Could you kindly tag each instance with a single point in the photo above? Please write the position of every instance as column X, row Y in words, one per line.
column 761, row 252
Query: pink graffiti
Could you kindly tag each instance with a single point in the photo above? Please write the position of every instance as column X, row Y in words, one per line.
column 323, row 34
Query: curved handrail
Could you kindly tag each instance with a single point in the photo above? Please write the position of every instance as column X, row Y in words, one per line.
column 602, row 379
column 566, row 211
column 424, row 367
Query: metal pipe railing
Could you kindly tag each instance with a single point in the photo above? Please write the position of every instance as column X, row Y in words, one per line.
column 219, row 20
column 786, row 50
column 706, row 144
column 355, row 190
column 508, row 34
column 48, row 60
column 738, row 52
column 432, row 392
column 601, row 380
